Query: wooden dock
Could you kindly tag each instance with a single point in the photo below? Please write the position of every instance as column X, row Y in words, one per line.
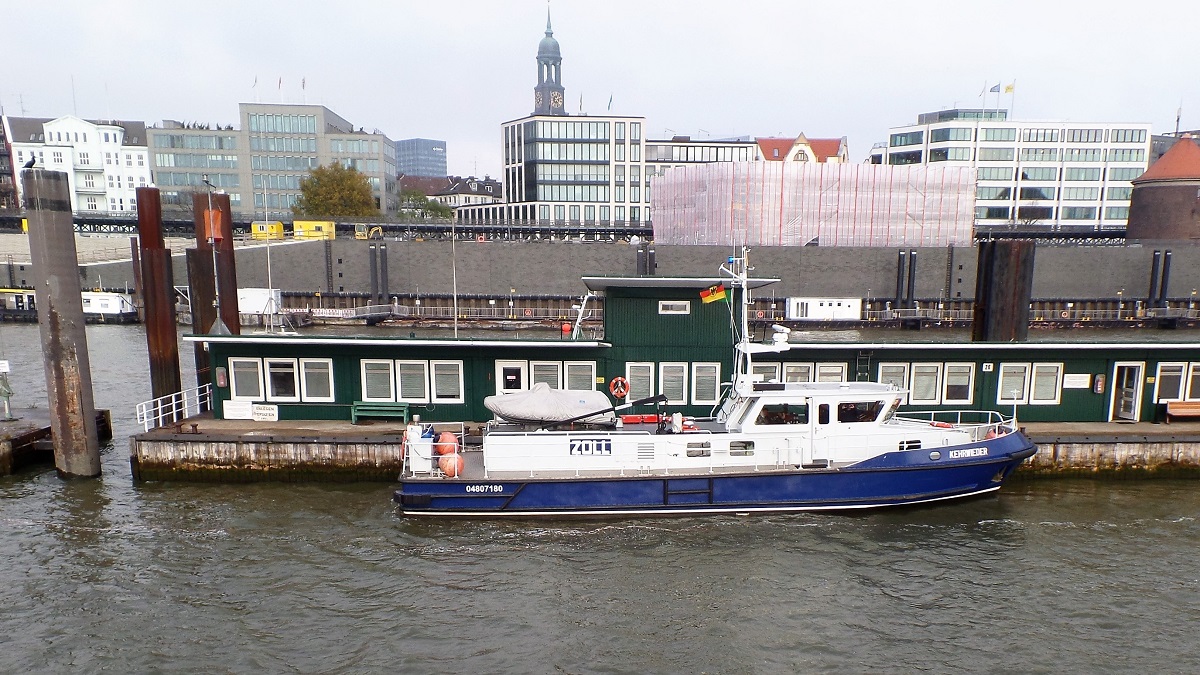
column 26, row 440
column 241, row 451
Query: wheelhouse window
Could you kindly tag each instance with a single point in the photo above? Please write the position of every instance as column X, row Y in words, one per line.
column 860, row 411
column 245, row 380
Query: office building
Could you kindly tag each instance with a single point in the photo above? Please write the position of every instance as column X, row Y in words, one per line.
column 1041, row 174
column 421, row 157
column 261, row 165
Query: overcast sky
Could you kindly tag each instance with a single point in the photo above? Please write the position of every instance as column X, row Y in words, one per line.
column 456, row 70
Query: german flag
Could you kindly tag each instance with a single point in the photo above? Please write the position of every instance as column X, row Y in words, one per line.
column 713, row 293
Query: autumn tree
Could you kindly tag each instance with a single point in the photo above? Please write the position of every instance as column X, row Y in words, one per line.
column 335, row 190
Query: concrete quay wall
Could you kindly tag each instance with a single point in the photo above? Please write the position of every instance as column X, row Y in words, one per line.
column 496, row 268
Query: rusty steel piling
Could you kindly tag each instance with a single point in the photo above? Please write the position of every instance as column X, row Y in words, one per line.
column 60, row 316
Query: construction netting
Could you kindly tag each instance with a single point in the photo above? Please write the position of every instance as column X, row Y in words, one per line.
column 808, row 203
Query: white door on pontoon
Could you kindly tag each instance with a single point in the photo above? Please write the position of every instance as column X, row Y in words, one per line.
column 511, row 376
column 1126, row 392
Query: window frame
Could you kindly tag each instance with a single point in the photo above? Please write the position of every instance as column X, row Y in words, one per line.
column 301, row 371
column 679, row 370
column 426, row 390
column 258, row 368
column 903, row 366
column 590, row 366
column 1023, row 399
column 1058, row 379
column 635, row 391
column 822, row 368
column 697, row 396
column 391, row 380
column 557, row 366
column 268, row 386
column 431, row 383
column 970, row 398
column 1180, row 390
column 937, row 367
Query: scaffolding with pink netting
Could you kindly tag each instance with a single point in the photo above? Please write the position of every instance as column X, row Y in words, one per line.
column 807, row 203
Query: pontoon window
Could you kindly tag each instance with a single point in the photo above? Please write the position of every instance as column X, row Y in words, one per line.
column 1193, row 387
column 581, row 375
column 1014, row 381
column 895, row 374
column 316, row 380
column 377, row 382
column 797, row 372
column 768, row 371
column 549, row 372
column 447, row 381
column 1047, row 383
column 413, row 381
column 959, row 380
column 245, row 380
column 831, row 372
column 641, row 380
column 283, row 382
column 673, row 382
column 1169, row 382
column 706, row 383
column 926, row 383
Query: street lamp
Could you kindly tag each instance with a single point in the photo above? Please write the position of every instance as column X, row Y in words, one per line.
column 511, row 291
column 1120, row 303
column 210, row 222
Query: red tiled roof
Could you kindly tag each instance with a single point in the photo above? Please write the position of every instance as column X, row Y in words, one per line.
column 824, row 148
column 1181, row 162
column 427, row 186
column 775, row 149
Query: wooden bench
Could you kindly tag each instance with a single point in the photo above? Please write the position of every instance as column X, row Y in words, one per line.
column 378, row 409
column 1182, row 409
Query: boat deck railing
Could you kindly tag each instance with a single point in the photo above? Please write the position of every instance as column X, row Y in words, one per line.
column 982, row 424
column 174, row 408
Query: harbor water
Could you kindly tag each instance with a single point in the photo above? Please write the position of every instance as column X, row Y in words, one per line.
column 1048, row 576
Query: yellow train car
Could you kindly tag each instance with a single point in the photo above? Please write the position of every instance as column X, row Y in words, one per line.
column 313, row 229
column 266, row 230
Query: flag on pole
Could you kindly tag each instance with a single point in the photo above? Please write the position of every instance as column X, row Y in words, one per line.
column 255, row 85
column 713, row 293
column 1011, row 87
column 303, row 80
column 610, row 102
column 280, row 83
column 581, row 102
column 995, row 89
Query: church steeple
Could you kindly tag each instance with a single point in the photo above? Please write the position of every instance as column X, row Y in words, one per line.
column 548, row 94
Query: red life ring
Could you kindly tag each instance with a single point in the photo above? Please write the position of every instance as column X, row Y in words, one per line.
column 761, row 314
column 619, row 387
column 529, row 312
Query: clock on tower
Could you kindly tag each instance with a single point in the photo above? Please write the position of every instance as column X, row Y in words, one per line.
column 556, row 99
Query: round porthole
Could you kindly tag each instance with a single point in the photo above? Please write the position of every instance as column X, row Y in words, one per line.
column 935, row 455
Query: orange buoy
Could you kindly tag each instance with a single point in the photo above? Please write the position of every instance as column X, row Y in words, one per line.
column 941, row 425
column 566, row 328
column 446, row 443
column 451, row 465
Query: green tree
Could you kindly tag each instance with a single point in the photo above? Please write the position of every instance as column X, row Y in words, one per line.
column 335, row 190
column 413, row 200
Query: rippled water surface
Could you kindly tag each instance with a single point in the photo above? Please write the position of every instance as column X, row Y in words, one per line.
column 112, row 576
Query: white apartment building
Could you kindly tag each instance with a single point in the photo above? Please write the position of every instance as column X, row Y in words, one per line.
column 1052, row 174
column 105, row 161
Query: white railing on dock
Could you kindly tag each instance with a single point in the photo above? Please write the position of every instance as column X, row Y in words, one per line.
column 174, row 408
